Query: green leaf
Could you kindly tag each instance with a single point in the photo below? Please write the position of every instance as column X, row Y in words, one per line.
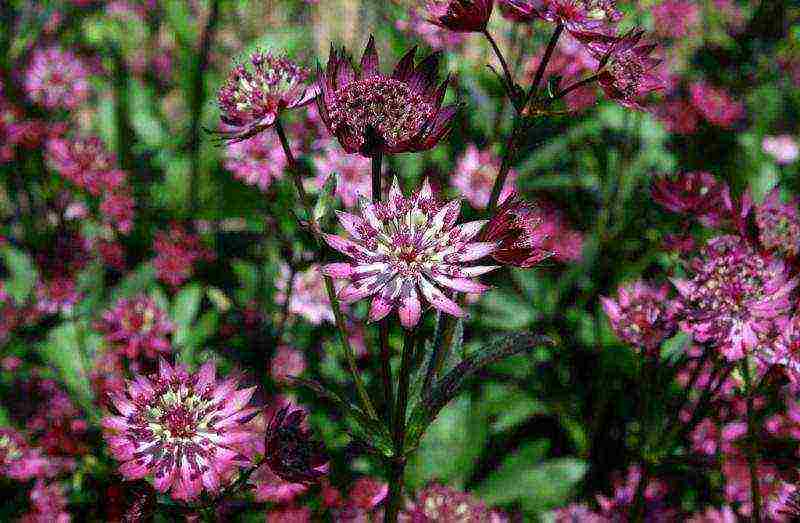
column 64, row 350
column 536, row 485
column 22, row 273
column 185, row 307
column 135, row 282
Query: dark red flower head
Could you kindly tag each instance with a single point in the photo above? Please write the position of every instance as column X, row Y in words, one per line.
column 516, row 224
column 698, row 194
column 289, row 450
column 370, row 112
column 460, row 15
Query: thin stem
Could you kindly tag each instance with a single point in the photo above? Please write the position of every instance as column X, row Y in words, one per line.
column 577, row 85
column 341, row 326
column 433, row 361
column 503, row 63
column 505, row 167
column 752, row 443
column 377, row 162
column 551, row 45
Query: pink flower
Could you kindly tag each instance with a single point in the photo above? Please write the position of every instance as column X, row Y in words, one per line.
column 136, row 326
column 676, row 18
column 582, row 18
column 85, row 162
column 578, row 513
column 460, row 15
column 353, row 178
column 714, row 515
column 629, row 74
column 118, row 210
column 271, row 487
column 257, row 160
column 475, row 174
column 287, row 363
column 783, row 148
column 516, row 224
column 56, row 79
column 642, row 315
column 565, row 243
column 367, row 493
column 617, row 507
column 177, row 251
column 403, row 250
column 733, row 295
column 58, row 295
column 369, row 112
column 48, row 504
column 21, row 462
column 715, row 104
column 434, row 36
column 779, row 224
column 289, row 515
column 438, row 503
column 697, row 194
column 254, row 95
column 182, row 429
column 308, row 297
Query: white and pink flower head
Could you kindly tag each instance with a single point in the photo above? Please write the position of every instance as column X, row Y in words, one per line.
column 406, row 250
column 181, row 429
column 137, row 326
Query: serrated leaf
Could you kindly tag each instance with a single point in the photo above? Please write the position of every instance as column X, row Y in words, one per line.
column 22, row 273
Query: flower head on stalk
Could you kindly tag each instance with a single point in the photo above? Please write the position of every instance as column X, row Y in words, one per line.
column 734, row 295
column 182, row 429
column 253, row 96
column 517, row 226
column 460, row 15
column 289, row 450
column 372, row 113
column 626, row 75
column 641, row 315
column 405, row 249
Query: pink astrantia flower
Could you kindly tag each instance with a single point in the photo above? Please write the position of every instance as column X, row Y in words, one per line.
column 715, row 104
column 475, row 174
column 21, row 462
column 460, row 15
column 434, row 36
column 641, row 315
column 85, row 162
column 618, row 506
column 734, row 294
column 578, row 513
column 517, row 226
column 572, row 61
column 286, row 363
column 56, row 296
column 177, row 252
column 564, row 242
column 353, row 178
column 307, row 297
column 48, row 504
column 118, row 209
column 779, row 224
column 255, row 94
column 271, row 487
column 370, row 113
column 783, row 148
column 180, row 429
column 697, row 194
column 438, row 503
column 57, row 79
column 676, row 18
column 257, row 160
column 367, row 493
column 137, row 326
column 579, row 17
column 629, row 73
column 715, row 515
column 289, row 515
column 403, row 250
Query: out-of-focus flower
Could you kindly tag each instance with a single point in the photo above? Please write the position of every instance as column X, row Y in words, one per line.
column 578, row 513
column 783, row 148
column 582, row 18
column 271, row 487
column 698, row 194
column 136, row 326
column 402, row 249
column 628, row 75
column 571, row 61
column 48, row 504
column 180, row 428
column 353, row 178
column 460, row 15
column 177, row 251
column 118, row 210
column 475, row 174
column 56, row 79
column 56, row 296
column 370, row 113
column 254, row 96
column 675, row 18
column 290, row 450
column 715, row 104
column 307, row 296
column 434, row 36
column 715, row 515
column 257, row 160
column 641, row 315
column 779, row 224
column 617, row 507
column 564, row 242
column 516, row 225
column 289, row 515
column 367, row 493
column 287, row 363
column 438, row 503
column 733, row 295
column 21, row 462
column 85, row 162
column 678, row 116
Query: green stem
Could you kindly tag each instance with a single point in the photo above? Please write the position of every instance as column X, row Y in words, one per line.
column 752, row 442
column 341, row 325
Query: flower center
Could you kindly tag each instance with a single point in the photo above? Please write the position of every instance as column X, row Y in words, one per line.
column 386, row 107
column 179, row 422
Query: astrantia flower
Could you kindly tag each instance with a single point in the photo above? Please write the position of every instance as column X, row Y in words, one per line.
column 286, row 364
column 353, row 178
column 435, row 37
column 307, row 296
column 48, row 504
column 697, row 194
column 474, row 176
column 641, row 315
column 676, row 18
column 517, row 226
column 715, row 104
column 578, row 513
column 438, row 503
column 85, row 162
column 137, row 326
column 403, row 250
column 118, row 210
column 779, row 224
column 56, row 79
column 370, row 112
column 180, row 429
column 289, row 450
column 177, row 251
column 733, row 295
column 628, row 75
column 579, row 17
column 256, row 161
column 254, row 95
column 57, row 295
column 460, row 15
column 783, row 148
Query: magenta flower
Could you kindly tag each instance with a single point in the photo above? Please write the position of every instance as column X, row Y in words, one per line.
column 676, row 18
column 580, row 17
column 403, row 250
column 779, row 224
column 48, row 504
column 578, row 513
column 697, row 194
column 440, row 503
column 180, row 429
column 733, row 295
column 57, row 79
column 256, row 161
column 628, row 74
column 460, row 15
column 517, row 226
column 57, row 295
column 286, row 364
column 136, row 326
column 253, row 97
column 85, row 162
column 474, row 176
column 353, row 178
column 783, row 148
column 715, row 104
column 289, row 450
column 177, row 252
column 118, row 209
column 434, row 36
column 369, row 112
column 641, row 315
column 307, row 296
